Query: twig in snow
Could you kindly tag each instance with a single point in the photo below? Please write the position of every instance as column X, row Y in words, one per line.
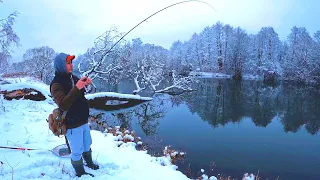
column 12, row 168
column 1, row 167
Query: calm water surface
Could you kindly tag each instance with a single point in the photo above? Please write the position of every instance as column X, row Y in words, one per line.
column 230, row 128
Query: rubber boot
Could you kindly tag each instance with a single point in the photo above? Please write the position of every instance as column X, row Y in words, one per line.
column 87, row 156
column 78, row 167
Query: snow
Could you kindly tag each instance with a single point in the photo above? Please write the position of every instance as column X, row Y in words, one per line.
column 202, row 170
column 34, row 93
column 248, row 177
column 23, row 124
column 25, row 79
column 252, row 77
column 43, row 88
column 174, row 154
column 118, row 132
column 220, row 75
column 116, row 95
column 127, row 136
column 115, row 102
column 205, row 176
column 224, row 76
column 210, row 75
column 139, row 143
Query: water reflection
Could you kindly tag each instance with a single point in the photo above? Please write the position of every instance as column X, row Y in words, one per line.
column 222, row 101
column 219, row 101
column 148, row 116
column 263, row 113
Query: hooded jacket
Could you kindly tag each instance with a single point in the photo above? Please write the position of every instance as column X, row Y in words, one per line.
column 67, row 96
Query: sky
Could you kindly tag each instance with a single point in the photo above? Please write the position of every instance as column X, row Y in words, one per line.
column 71, row 26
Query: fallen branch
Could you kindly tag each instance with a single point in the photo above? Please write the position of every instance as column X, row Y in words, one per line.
column 12, row 168
column 26, row 93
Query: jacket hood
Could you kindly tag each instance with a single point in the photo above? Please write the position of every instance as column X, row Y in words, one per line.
column 60, row 63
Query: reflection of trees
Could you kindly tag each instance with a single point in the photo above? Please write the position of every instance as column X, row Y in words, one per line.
column 208, row 101
column 124, row 119
column 313, row 126
column 149, row 115
column 292, row 117
column 264, row 104
column 223, row 101
column 176, row 100
column 301, row 108
column 220, row 101
column 235, row 102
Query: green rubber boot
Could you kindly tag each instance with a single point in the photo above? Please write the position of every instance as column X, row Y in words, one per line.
column 78, row 167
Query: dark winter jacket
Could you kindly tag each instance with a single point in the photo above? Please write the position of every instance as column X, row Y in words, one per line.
column 67, row 96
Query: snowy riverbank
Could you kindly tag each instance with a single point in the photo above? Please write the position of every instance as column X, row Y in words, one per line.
column 223, row 76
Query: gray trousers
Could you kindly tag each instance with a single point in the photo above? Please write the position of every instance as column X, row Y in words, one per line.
column 79, row 140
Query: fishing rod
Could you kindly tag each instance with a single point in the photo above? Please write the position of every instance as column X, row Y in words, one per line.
column 19, row 148
column 60, row 151
column 109, row 50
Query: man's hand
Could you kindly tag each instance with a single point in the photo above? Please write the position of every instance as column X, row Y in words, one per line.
column 83, row 82
column 89, row 81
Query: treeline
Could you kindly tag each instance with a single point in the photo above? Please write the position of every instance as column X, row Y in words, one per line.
column 218, row 49
column 225, row 49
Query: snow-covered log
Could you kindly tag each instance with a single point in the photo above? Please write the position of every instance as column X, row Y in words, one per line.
column 110, row 101
column 32, row 91
column 26, row 93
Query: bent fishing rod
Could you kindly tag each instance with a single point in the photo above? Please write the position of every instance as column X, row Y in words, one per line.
column 109, row 50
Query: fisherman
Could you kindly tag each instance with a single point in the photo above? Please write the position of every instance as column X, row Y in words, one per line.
column 68, row 93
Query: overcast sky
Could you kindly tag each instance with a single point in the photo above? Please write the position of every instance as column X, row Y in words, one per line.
column 71, row 26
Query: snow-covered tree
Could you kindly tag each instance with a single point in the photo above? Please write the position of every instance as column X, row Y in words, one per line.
column 8, row 38
column 283, row 56
column 218, row 28
column 104, row 64
column 222, row 48
column 176, row 54
column 268, row 45
column 147, row 65
column 38, row 62
column 251, row 65
column 240, row 51
column 298, row 65
column 219, row 48
column 207, row 51
column 315, row 58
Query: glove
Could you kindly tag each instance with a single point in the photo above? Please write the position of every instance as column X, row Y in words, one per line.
column 83, row 82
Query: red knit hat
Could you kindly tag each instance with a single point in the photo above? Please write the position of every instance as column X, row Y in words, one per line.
column 70, row 57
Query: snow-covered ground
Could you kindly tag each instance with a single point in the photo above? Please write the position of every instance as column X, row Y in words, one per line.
column 23, row 124
column 252, row 77
column 223, row 76
column 209, row 75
